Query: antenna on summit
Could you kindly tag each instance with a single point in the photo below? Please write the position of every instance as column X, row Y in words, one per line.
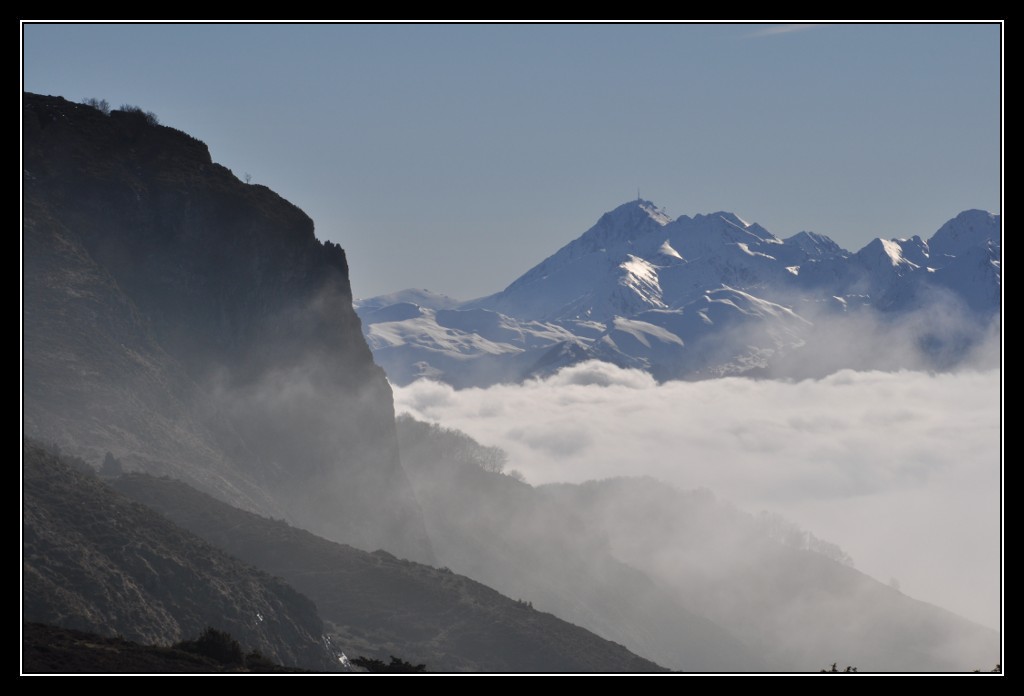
column 637, row 194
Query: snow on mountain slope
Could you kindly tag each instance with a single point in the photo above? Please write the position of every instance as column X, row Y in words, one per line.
column 464, row 347
column 814, row 245
column 971, row 228
column 635, row 259
column 421, row 298
column 562, row 286
column 974, row 276
column 425, row 332
column 725, row 331
column 691, row 297
column 914, row 250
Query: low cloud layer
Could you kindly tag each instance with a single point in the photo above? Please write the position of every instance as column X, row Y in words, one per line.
column 901, row 469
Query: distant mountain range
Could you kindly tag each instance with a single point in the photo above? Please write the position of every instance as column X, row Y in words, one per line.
column 694, row 297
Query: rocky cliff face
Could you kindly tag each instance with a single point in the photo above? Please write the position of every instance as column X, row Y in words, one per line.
column 193, row 325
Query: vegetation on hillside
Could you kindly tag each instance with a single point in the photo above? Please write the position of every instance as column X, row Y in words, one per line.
column 48, row 649
column 378, row 605
column 94, row 560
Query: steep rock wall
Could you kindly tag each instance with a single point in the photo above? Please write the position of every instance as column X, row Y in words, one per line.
column 193, row 325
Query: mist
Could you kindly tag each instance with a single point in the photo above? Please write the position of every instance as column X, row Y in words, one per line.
column 900, row 469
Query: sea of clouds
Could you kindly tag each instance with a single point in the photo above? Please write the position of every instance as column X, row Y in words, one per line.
column 901, row 469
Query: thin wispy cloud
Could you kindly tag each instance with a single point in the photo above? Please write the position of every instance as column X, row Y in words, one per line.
column 776, row 29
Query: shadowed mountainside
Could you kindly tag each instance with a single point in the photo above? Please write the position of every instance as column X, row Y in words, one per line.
column 377, row 604
column 96, row 561
column 194, row 326
column 54, row 650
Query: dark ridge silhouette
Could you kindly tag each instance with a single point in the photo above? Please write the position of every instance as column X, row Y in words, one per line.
column 193, row 325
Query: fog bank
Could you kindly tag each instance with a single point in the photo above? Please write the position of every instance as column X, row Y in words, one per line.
column 901, row 469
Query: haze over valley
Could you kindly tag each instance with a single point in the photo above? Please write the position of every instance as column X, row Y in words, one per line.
column 642, row 442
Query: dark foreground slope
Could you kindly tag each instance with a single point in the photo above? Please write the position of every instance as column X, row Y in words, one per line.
column 54, row 650
column 377, row 604
column 193, row 325
column 96, row 561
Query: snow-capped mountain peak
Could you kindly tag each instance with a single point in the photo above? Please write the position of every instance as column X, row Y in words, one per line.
column 641, row 207
column 627, row 223
column 696, row 296
column 815, row 245
column 968, row 229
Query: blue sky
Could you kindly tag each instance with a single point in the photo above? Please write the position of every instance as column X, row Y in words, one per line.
column 454, row 157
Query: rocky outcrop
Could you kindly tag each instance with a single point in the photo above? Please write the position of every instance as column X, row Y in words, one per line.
column 193, row 325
